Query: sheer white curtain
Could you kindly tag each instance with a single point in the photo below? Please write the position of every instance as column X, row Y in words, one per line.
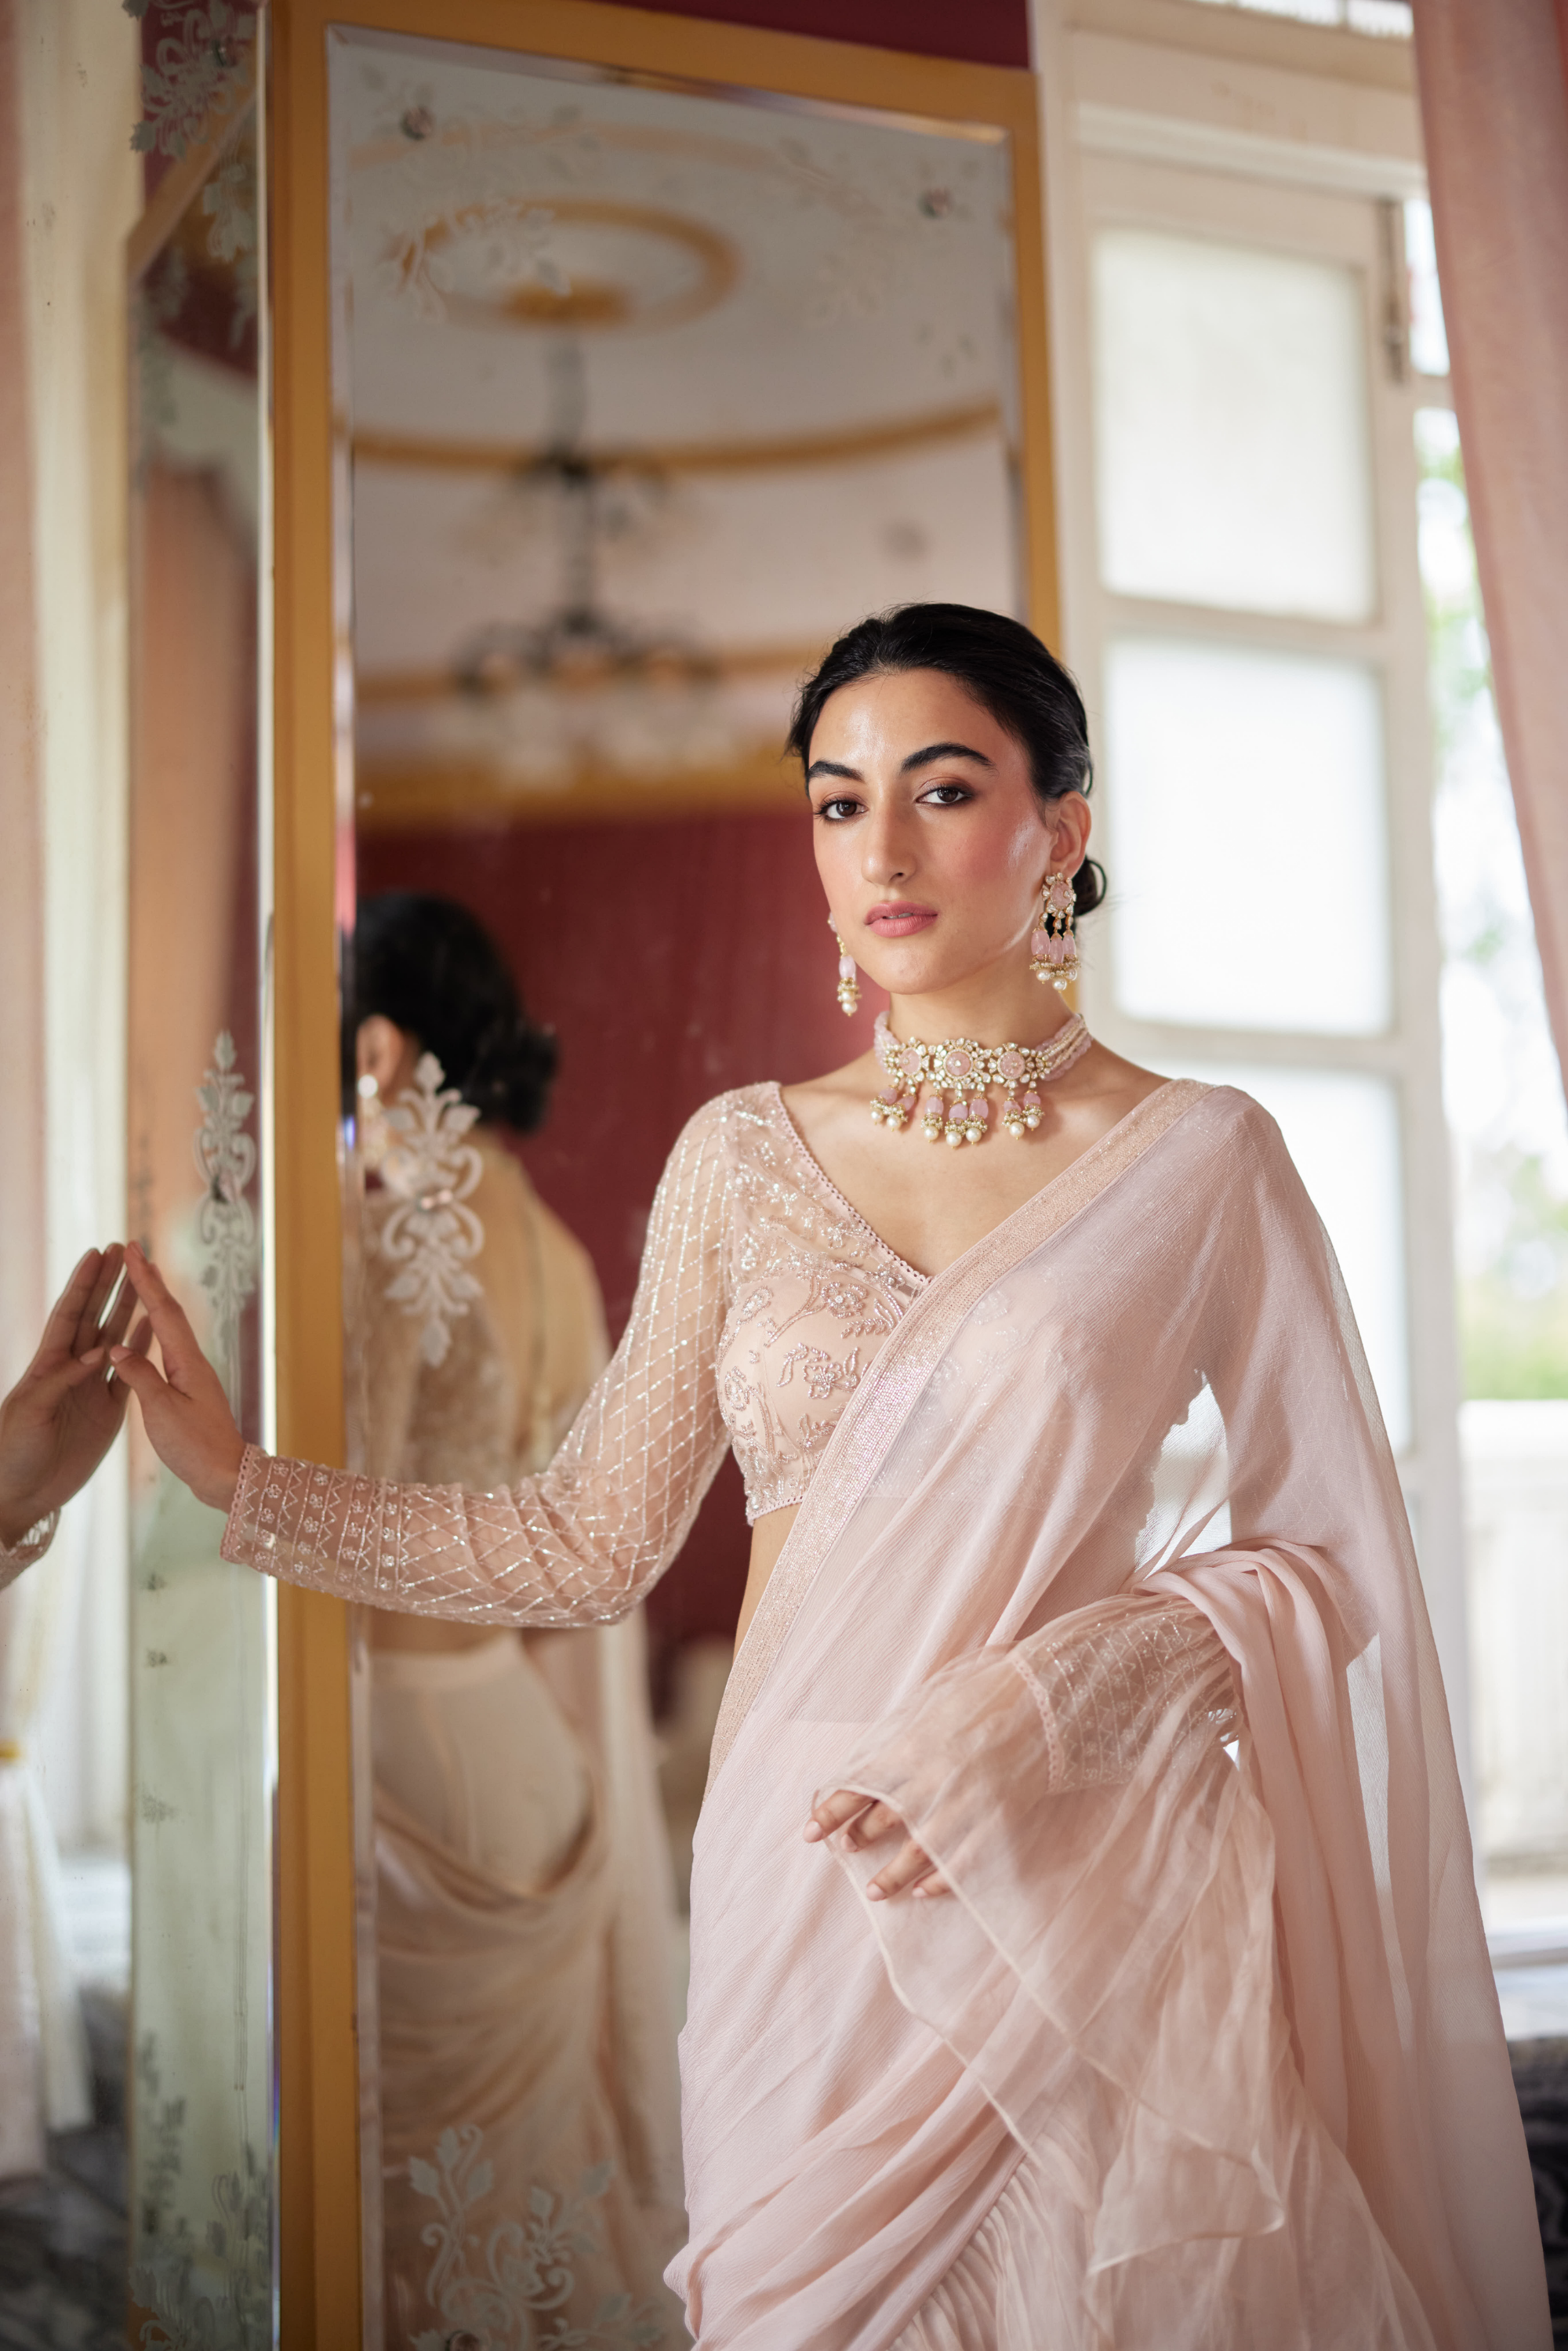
column 1494, row 106
column 44, row 2077
column 67, row 194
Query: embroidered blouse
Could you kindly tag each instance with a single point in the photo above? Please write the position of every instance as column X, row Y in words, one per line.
column 762, row 1301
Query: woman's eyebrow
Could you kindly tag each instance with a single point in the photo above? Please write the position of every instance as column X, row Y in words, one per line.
column 916, row 759
column 942, row 751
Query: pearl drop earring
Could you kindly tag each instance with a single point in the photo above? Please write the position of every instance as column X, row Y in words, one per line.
column 849, row 977
column 1054, row 950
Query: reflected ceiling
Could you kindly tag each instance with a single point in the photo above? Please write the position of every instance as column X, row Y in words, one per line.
column 725, row 375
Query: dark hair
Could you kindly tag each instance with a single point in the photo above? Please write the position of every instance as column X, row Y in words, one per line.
column 1001, row 663
column 425, row 964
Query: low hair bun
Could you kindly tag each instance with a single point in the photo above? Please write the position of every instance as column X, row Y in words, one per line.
column 430, row 967
column 511, row 1079
column 1088, row 886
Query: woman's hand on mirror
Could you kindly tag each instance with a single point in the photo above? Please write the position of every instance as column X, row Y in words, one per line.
column 64, row 1413
column 183, row 1407
column 864, row 1821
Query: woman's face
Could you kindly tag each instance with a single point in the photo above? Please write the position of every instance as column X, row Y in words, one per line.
column 931, row 840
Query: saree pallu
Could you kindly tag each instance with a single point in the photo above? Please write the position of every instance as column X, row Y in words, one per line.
column 1105, row 1584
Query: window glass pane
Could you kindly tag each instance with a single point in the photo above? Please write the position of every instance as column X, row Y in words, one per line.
column 1501, row 1085
column 1231, row 427
column 1386, row 19
column 1428, row 336
column 1341, row 1129
column 1248, row 857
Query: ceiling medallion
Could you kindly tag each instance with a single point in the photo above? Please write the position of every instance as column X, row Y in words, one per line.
column 586, row 264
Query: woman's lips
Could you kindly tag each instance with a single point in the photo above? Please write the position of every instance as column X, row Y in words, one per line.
column 900, row 920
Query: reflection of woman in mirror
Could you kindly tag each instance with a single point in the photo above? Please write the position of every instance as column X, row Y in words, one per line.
column 522, row 1892
column 1127, row 1985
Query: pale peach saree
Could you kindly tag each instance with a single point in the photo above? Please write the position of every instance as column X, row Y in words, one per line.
column 1206, row 2053
column 1103, row 1579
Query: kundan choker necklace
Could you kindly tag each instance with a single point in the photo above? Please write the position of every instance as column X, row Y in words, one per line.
column 963, row 1069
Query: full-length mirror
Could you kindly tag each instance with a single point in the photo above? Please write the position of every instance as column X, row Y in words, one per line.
column 202, row 2266
column 645, row 393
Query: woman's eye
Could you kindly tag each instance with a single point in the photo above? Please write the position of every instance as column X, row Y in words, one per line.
column 948, row 795
column 835, row 812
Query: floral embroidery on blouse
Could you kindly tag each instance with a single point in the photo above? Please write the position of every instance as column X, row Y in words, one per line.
column 815, row 1297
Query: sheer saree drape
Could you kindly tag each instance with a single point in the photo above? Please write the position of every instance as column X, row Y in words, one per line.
column 1232, row 2020
column 1103, row 1578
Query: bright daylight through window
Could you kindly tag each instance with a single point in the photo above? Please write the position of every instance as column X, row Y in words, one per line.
column 1282, row 576
column 1504, row 1100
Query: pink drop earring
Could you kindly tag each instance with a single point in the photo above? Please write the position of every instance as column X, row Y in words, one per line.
column 849, row 977
column 1053, row 949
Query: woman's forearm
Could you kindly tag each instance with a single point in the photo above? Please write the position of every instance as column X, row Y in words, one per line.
column 555, row 1550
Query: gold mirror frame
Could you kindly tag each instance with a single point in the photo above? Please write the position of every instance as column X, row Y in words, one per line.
column 319, row 2145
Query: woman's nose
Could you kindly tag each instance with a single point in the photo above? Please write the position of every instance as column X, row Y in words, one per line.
column 885, row 854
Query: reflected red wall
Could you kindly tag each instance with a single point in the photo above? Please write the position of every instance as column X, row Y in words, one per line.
column 986, row 32
column 672, row 960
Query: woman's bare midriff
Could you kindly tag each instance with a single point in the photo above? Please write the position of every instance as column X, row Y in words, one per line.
column 767, row 1543
column 391, row 1629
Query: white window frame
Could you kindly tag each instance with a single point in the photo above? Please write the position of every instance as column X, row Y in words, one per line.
column 1252, row 130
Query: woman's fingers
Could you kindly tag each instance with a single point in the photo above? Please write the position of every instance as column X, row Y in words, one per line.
column 869, row 1826
column 183, row 1362
column 65, row 1315
column 909, row 1868
column 139, row 1342
column 184, row 1408
column 834, row 1812
column 110, row 1264
column 864, row 1820
column 133, row 1371
column 112, row 1333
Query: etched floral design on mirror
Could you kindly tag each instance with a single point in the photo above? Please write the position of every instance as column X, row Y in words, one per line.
column 202, row 1644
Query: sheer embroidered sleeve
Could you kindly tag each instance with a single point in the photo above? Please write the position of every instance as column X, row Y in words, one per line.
column 1097, row 1701
column 583, row 1543
column 33, row 1545
column 1110, row 1682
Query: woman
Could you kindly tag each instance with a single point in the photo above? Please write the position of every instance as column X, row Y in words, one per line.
column 1147, row 2002
column 523, row 1899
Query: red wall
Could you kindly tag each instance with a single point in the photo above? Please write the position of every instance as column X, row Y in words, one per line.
column 984, row 32
column 672, row 960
